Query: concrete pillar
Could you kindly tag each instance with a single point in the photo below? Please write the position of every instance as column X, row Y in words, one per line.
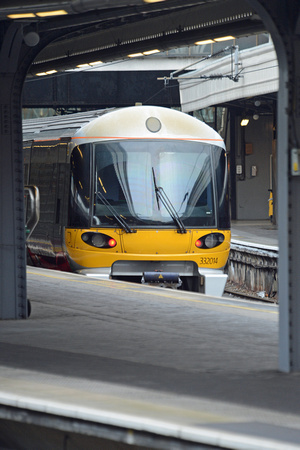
column 290, row 266
column 282, row 20
column 19, row 45
column 13, row 302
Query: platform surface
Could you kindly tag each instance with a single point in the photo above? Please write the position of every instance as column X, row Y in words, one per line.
column 171, row 362
column 260, row 233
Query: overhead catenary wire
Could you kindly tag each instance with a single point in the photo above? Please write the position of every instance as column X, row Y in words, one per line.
column 234, row 76
column 244, row 71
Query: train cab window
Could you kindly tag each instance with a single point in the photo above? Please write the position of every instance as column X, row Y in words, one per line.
column 80, row 187
column 129, row 173
column 109, row 195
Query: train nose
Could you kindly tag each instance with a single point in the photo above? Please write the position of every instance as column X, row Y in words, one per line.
column 157, row 242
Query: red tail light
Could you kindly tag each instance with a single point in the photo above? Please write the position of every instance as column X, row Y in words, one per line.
column 112, row 242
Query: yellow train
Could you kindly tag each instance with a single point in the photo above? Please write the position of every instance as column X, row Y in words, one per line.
column 137, row 193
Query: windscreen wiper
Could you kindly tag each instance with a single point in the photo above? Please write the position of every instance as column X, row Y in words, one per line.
column 155, row 188
column 162, row 196
column 115, row 214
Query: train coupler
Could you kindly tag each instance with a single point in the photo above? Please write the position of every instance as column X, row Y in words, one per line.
column 162, row 279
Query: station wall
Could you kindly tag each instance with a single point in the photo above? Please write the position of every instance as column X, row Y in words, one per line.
column 253, row 184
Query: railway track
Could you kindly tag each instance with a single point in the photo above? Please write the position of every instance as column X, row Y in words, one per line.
column 236, row 290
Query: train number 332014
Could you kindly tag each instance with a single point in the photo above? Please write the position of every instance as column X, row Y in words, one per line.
column 208, row 261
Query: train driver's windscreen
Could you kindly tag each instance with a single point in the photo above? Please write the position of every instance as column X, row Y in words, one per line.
column 129, row 173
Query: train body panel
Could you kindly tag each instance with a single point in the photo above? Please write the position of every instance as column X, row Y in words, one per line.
column 130, row 190
column 162, row 245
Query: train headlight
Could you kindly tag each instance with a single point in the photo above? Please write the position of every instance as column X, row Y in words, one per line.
column 98, row 240
column 210, row 240
column 85, row 237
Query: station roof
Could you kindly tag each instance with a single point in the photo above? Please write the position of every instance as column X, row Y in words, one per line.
column 89, row 31
column 258, row 76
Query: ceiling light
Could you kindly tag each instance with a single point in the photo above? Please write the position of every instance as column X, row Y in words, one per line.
column 49, row 72
column 60, row 12
column 207, row 41
column 85, row 65
column 244, row 122
column 224, row 38
column 95, row 63
column 211, row 41
column 153, row 1
column 151, row 52
column 21, row 16
column 135, row 55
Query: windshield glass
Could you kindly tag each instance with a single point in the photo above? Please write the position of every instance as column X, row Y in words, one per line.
column 128, row 173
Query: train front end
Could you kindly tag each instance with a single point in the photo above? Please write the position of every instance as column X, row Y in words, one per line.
column 148, row 200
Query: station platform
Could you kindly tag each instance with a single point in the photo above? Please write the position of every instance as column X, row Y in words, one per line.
column 113, row 365
column 259, row 233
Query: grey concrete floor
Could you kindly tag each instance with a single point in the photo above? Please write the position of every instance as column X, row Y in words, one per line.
column 164, row 355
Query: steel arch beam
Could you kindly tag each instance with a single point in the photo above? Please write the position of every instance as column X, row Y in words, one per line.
column 15, row 59
column 13, row 304
column 282, row 20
